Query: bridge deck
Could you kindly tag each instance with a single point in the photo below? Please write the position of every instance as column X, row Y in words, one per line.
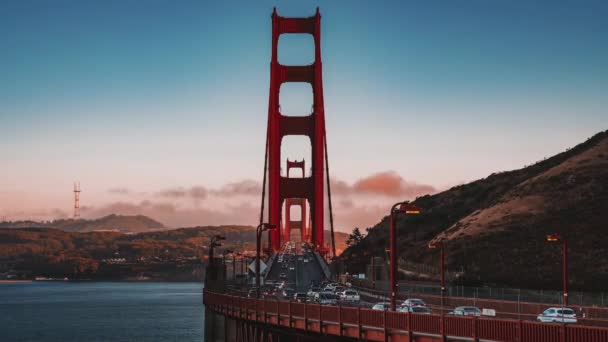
column 373, row 325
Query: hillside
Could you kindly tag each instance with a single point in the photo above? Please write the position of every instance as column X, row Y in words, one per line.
column 120, row 223
column 494, row 228
column 52, row 252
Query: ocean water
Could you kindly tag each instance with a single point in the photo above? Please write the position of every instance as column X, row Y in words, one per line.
column 98, row 311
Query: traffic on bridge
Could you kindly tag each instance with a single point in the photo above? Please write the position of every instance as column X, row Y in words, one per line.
column 293, row 295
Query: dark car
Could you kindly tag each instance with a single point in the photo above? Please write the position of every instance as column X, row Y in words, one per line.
column 300, row 297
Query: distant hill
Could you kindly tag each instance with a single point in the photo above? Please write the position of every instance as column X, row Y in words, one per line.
column 494, row 229
column 119, row 223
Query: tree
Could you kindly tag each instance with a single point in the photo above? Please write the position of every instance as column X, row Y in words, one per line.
column 354, row 238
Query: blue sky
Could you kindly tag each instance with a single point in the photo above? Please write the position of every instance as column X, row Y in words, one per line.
column 148, row 95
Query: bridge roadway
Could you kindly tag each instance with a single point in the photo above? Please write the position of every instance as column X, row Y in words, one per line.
column 304, row 273
column 333, row 323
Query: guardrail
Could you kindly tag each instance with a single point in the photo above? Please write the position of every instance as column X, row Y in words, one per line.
column 374, row 325
column 505, row 308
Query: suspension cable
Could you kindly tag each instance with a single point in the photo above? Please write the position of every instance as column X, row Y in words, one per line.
column 331, row 213
column 264, row 181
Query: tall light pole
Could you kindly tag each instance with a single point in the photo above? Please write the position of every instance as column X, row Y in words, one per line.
column 259, row 230
column 435, row 245
column 409, row 209
column 240, row 255
column 559, row 238
column 215, row 242
column 229, row 251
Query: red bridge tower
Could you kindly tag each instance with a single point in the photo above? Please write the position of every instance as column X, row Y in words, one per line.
column 313, row 126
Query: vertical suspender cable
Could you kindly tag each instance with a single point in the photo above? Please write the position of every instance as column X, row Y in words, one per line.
column 331, row 213
column 264, row 181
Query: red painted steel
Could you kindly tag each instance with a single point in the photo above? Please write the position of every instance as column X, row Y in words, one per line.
column 369, row 324
column 458, row 326
column 313, row 311
column 500, row 330
column 426, row 323
column 297, row 309
column 396, row 320
column 372, row 318
column 330, row 313
column 311, row 188
column 348, row 315
column 539, row 332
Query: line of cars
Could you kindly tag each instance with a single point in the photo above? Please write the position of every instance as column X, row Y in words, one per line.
column 331, row 293
column 418, row 306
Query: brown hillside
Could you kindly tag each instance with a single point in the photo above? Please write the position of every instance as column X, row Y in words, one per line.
column 494, row 228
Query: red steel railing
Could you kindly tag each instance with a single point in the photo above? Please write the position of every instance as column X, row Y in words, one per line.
column 317, row 318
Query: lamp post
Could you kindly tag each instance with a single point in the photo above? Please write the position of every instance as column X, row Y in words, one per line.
column 559, row 238
column 259, row 230
column 215, row 242
column 409, row 209
column 435, row 245
column 240, row 255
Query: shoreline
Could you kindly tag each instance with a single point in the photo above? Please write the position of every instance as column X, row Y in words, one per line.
column 15, row 281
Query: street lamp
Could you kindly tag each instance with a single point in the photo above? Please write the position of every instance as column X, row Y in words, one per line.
column 409, row 209
column 262, row 227
column 214, row 243
column 559, row 238
column 229, row 251
column 439, row 245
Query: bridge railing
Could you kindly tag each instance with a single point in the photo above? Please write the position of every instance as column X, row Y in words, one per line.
column 504, row 308
column 369, row 324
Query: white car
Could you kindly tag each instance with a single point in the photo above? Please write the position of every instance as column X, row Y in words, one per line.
column 415, row 309
column 413, row 302
column 381, row 306
column 557, row 315
column 466, row 311
column 349, row 296
column 330, row 287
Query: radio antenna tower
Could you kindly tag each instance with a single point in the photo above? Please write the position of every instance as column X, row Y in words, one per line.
column 76, row 200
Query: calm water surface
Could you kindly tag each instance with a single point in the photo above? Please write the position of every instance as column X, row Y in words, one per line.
column 88, row 311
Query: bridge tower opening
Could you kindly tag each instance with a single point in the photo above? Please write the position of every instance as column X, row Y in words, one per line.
column 289, row 224
column 286, row 190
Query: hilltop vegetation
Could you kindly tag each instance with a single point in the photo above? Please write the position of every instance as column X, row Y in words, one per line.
column 119, row 223
column 56, row 253
column 494, row 229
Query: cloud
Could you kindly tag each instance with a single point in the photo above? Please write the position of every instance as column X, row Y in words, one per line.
column 172, row 215
column 247, row 187
column 119, row 191
column 387, row 183
column 195, row 192
column 359, row 204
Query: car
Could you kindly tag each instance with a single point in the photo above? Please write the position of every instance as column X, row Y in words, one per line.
column 330, row 287
column 252, row 293
column 282, row 276
column 312, row 290
column 557, row 315
column 326, row 298
column 465, row 311
column 339, row 289
column 414, row 309
column 383, row 306
column 305, row 259
column 413, row 302
column 349, row 296
column 288, row 292
column 291, row 268
column 300, row 297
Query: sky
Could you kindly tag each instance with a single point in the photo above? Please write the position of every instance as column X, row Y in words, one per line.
column 159, row 107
